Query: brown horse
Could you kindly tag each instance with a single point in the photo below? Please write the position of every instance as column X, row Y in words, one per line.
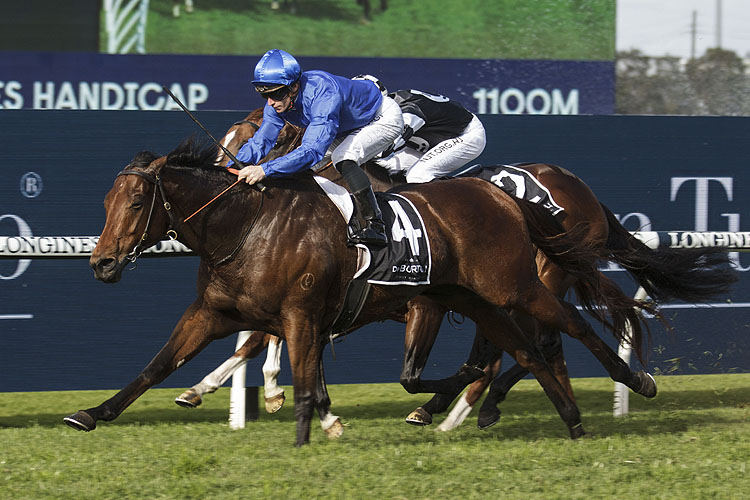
column 287, row 275
column 666, row 274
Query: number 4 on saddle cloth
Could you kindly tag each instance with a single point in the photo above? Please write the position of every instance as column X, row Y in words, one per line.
column 406, row 260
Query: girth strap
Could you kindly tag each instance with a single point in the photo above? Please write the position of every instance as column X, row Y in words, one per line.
column 354, row 298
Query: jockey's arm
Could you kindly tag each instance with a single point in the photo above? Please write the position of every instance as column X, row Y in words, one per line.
column 319, row 134
column 414, row 119
column 264, row 139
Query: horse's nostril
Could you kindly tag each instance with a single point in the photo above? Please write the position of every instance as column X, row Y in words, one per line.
column 103, row 264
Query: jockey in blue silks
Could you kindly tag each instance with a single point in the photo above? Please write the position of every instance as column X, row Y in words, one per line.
column 350, row 118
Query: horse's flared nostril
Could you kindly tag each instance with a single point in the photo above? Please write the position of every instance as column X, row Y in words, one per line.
column 102, row 265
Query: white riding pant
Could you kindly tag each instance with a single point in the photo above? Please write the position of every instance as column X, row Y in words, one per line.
column 366, row 142
column 444, row 158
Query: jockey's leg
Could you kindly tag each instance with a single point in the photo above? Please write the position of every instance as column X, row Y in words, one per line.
column 450, row 154
column 367, row 206
column 356, row 148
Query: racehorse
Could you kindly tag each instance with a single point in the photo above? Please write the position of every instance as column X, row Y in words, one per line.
column 287, row 275
column 666, row 274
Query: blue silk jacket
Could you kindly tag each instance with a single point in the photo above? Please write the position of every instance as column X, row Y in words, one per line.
column 327, row 106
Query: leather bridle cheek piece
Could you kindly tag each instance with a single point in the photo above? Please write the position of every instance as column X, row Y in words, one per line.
column 171, row 233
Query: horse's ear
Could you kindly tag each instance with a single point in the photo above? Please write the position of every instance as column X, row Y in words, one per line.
column 157, row 164
column 143, row 158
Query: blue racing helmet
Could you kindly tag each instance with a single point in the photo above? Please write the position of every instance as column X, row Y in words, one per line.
column 276, row 68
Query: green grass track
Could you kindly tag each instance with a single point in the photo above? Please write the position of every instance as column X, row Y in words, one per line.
column 690, row 442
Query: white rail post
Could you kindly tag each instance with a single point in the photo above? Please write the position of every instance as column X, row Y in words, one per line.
column 237, row 394
column 126, row 25
column 622, row 393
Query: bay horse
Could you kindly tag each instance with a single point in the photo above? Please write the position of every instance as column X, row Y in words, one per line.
column 665, row 274
column 286, row 275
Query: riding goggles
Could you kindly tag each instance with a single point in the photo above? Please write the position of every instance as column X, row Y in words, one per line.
column 275, row 93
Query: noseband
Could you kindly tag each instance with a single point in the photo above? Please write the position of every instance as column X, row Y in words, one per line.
column 171, row 233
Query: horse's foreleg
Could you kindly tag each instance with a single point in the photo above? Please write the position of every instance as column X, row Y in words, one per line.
column 482, row 353
column 272, row 392
column 193, row 397
column 497, row 325
column 466, row 403
column 195, row 330
column 252, row 346
column 422, row 325
column 489, row 413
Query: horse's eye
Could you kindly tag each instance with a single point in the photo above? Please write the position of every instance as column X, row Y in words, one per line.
column 136, row 205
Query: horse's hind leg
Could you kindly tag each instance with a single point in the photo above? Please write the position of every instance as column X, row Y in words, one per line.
column 563, row 316
column 330, row 423
column 195, row 330
column 497, row 325
column 254, row 345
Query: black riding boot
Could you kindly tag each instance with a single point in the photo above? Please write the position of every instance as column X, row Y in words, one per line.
column 374, row 231
column 367, row 206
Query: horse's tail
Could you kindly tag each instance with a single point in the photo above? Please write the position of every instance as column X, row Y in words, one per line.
column 691, row 275
column 598, row 295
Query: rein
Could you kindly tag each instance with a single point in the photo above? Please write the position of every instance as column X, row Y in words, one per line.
column 171, row 233
column 173, row 223
column 295, row 143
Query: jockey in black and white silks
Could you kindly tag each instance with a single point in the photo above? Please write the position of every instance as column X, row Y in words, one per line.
column 439, row 136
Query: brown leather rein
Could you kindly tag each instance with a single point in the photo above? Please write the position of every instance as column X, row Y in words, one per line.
column 173, row 223
column 297, row 140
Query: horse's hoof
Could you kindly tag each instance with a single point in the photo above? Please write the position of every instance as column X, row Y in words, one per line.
column 488, row 418
column 335, row 430
column 274, row 403
column 81, row 421
column 419, row 417
column 648, row 384
column 189, row 399
column 577, row 431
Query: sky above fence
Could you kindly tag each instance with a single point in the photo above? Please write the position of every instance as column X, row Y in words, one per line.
column 664, row 27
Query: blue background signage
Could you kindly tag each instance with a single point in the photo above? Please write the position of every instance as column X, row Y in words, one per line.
column 118, row 82
column 61, row 329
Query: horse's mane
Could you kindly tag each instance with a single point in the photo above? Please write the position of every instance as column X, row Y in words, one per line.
column 192, row 153
column 143, row 159
column 199, row 157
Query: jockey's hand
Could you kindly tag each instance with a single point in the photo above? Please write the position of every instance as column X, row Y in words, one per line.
column 252, row 174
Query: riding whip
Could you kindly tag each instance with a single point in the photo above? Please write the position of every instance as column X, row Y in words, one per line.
column 260, row 185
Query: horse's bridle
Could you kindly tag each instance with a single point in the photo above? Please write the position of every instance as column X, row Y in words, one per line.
column 174, row 221
column 171, row 233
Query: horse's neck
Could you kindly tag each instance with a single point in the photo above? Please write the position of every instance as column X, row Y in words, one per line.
column 219, row 230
